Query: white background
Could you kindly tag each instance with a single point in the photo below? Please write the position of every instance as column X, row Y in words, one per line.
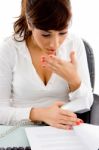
column 85, row 23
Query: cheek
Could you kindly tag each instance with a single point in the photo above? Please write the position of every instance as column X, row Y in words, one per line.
column 40, row 41
column 62, row 40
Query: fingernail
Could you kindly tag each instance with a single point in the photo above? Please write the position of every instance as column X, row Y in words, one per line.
column 43, row 59
column 69, row 128
column 78, row 123
column 51, row 56
column 75, row 116
column 81, row 121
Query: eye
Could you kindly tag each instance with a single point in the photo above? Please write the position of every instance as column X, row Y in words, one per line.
column 46, row 35
column 63, row 33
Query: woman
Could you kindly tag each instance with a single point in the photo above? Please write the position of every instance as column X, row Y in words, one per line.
column 42, row 67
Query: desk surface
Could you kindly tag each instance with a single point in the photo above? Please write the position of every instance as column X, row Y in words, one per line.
column 15, row 138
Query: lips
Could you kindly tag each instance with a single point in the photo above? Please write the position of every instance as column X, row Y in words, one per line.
column 51, row 51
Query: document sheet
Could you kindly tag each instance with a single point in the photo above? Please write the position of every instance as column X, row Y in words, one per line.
column 50, row 138
column 89, row 135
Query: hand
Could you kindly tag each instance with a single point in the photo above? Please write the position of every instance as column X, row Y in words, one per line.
column 66, row 69
column 56, row 117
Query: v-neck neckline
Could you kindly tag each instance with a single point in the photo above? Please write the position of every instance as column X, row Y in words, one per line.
column 33, row 68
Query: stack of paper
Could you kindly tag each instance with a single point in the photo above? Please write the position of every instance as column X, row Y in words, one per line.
column 82, row 137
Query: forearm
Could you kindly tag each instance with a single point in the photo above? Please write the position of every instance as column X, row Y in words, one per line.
column 83, row 94
column 10, row 115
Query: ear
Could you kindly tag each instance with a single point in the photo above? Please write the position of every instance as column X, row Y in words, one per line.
column 29, row 26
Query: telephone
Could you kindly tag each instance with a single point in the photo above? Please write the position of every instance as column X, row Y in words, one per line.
column 18, row 124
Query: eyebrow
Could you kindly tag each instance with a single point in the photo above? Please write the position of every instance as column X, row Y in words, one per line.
column 47, row 31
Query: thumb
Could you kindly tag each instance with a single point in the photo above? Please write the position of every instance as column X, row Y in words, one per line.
column 73, row 57
column 59, row 103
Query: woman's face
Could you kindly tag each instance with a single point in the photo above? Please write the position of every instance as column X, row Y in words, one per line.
column 48, row 41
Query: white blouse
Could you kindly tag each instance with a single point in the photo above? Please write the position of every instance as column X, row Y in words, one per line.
column 21, row 88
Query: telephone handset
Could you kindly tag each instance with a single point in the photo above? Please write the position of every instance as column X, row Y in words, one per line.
column 18, row 124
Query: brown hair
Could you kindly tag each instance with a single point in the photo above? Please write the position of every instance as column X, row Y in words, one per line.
column 44, row 15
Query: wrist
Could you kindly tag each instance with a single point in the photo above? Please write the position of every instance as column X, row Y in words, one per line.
column 74, row 85
column 36, row 114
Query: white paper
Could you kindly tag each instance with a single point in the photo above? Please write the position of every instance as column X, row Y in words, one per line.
column 50, row 138
column 89, row 135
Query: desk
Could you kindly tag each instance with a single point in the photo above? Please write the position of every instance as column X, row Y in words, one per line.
column 15, row 138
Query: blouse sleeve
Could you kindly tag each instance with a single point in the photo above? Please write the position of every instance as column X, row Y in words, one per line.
column 8, row 114
column 83, row 95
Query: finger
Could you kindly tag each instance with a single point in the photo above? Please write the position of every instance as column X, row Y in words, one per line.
column 73, row 57
column 54, row 67
column 59, row 103
column 67, row 118
column 68, row 113
column 61, row 126
column 43, row 61
column 70, row 121
column 79, row 122
column 74, row 122
column 55, row 59
column 48, row 63
column 67, row 123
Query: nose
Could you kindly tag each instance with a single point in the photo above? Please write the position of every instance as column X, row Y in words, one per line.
column 54, row 43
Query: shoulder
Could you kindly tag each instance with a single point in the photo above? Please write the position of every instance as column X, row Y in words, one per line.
column 9, row 46
column 10, row 42
column 74, row 41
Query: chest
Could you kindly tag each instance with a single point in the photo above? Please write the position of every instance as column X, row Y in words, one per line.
column 32, row 81
column 27, row 82
column 42, row 72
